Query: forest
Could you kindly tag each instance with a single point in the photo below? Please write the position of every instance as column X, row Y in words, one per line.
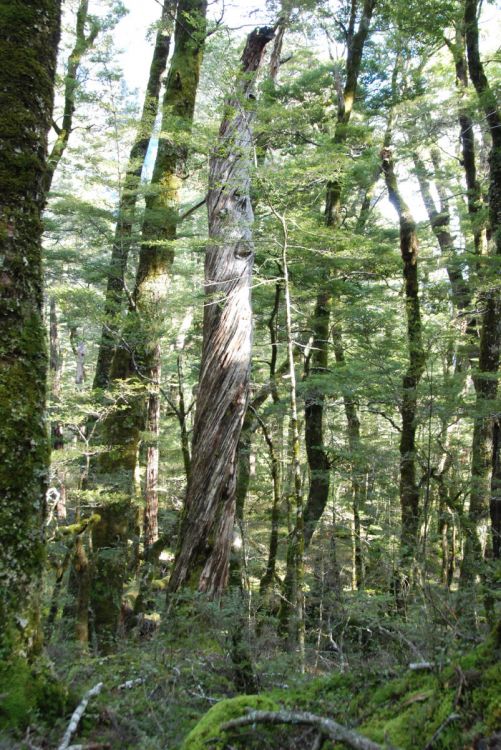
column 250, row 339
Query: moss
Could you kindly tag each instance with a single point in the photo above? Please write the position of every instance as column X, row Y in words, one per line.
column 206, row 735
column 404, row 712
column 29, row 690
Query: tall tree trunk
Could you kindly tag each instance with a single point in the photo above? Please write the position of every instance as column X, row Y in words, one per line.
column 495, row 505
column 409, row 489
column 314, row 403
column 206, row 531
column 291, row 615
column 490, row 338
column 29, row 34
column 128, row 199
column 138, row 356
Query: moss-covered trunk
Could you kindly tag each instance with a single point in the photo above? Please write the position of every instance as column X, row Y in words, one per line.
column 138, row 357
column 128, row 200
column 29, row 34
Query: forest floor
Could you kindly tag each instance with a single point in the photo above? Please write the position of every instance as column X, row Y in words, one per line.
column 176, row 687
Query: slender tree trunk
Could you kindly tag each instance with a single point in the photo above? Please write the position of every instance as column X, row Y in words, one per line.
column 83, row 43
column 440, row 224
column 291, row 616
column 354, row 446
column 495, row 504
column 409, row 489
column 314, row 405
column 128, row 200
column 318, row 461
column 207, row 527
column 29, row 34
column 467, row 137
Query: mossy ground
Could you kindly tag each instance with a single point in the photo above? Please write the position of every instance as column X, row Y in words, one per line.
column 187, row 691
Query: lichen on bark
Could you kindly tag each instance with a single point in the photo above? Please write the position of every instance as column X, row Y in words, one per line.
column 29, row 33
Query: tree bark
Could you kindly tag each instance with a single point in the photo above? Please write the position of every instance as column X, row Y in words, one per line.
column 485, row 378
column 128, row 199
column 138, row 356
column 207, row 526
column 409, row 489
column 29, row 34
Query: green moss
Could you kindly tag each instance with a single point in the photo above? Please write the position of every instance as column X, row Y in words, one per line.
column 207, row 734
column 404, row 712
column 29, row 690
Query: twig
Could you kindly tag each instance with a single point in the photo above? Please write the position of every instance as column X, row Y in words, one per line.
column 77, row 715
column 443, row 725
column 328, row 727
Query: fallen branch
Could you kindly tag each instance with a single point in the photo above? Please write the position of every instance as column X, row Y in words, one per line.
column 77, row 715
column 330, row 729
column 131, row 683
column 443, row 725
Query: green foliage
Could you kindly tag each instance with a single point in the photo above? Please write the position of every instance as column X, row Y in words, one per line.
column 30, row 692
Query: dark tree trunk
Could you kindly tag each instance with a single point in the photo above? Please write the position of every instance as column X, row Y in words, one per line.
column 318, row 461
column 29, row 34
column 206, row 531
column 409, row 489
column 495, row 505
column 314, row 407
column 485, row 378
column 467, row 137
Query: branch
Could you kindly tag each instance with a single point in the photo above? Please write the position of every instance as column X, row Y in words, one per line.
column 331, row 729
column 77, row 715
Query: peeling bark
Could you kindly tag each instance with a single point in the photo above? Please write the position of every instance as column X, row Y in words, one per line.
column 202, row 558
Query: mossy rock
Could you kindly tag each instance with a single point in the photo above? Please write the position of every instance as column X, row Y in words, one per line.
column 206, row 735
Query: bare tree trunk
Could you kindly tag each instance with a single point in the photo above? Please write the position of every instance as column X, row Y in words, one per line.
column 29, row 35
column 206, row 531
column 409, row 490
column 291, row 615
column 495, row 505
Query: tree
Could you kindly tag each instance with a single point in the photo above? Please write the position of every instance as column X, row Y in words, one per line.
column 29, row 35
column 206, row 531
